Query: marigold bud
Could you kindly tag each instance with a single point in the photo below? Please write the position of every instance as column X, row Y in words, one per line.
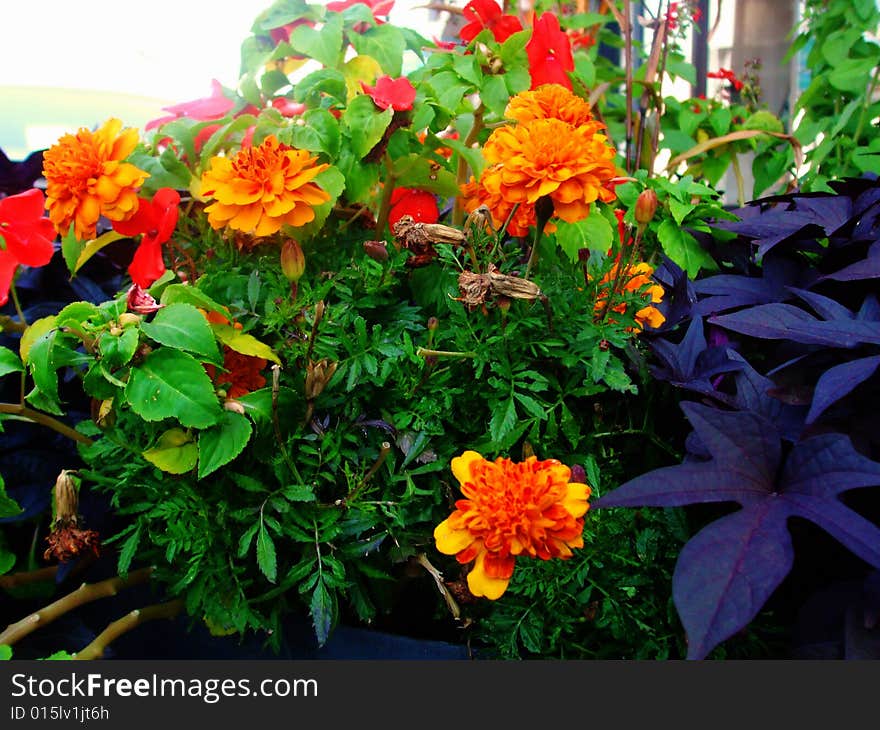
column 433, row 323
column 646, row 206
column 293, row 261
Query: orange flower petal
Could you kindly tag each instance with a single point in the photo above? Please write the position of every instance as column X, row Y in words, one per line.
column 481, row 585
column 451, row 541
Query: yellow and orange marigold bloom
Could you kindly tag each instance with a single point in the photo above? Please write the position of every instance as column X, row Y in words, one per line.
column 551, row 101
column 262, row 188
column 635, row 279
column 474, row 194
column 549, row 157
column 529, row 508
column 86, row 177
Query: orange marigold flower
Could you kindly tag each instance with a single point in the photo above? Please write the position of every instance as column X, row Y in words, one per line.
column 550, row 101
column 262, row 188
column 530, row 508
column 549, row 157
column 241, row 374
column 87, row 178
column 637, row 280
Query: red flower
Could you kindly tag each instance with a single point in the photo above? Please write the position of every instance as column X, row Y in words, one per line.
column 727, row 75
column 215, row 106
column 241, row 374
column 487, row 14
column 419, row 204
column 399, row 94
column 156, row 220
column 549, row 53
column 378, row 7
column 25, row 236
column 287, row 107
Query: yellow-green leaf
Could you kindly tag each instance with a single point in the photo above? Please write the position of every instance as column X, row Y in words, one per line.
column 33, row 333
column 175, row 452
column 96, row 244
column 243, row 343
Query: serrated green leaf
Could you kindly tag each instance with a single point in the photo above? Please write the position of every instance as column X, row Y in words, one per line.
column 324, row 45
column 298, row 493
column 8, row 506
column 9, row 362
column 503, row 420
column 680, row 210
column 117, row 350
column 365, row 124
column 71, row 248
column 593, row 232
column 128, row 551
column 34, row 331
column 173, row 384
column 183, row 293
column 175, row 452
column 385, row 43
column 683, row 248
column 183, row 327
column 221, row 443
column 322, row 608
column 244, row 542
column 43, row 370
column 266, row 558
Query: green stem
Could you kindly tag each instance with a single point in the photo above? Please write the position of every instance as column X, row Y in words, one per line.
column 14, row 293
column 865, row 105
column 462, row 171
column 23, row 411
column 740, row 183
column 385, row 202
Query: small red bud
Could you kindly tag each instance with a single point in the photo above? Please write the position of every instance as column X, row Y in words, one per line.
column 376, row 250
column 646, row 206
column 293, row 261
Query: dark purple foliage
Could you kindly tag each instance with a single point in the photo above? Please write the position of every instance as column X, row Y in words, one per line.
column 728, row 570
column 16, row 177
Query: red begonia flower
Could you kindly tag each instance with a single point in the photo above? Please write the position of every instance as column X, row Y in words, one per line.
column 156, row 219
column 487, row 14
column 549, row 52
column 420, row 204
column 399, row 94
column 287, row 107
column 26, row 236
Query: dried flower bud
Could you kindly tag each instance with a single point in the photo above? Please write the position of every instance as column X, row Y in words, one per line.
column 503, row 303
column 646, row 206
column 376, row 250
column 578, row 474
column 293, row 260
column 67, row 540
column 141, row 302
column 103, row 414
column 433, row 324
column 318, row 374
column 583, row 255
column 319, row 314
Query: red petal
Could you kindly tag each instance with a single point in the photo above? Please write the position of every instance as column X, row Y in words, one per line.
column 7, row 270
column 147, row 264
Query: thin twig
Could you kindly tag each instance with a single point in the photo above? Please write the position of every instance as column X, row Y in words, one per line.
column 86, row 593
column 96, row 649
column 24, row 578
column 23, row 411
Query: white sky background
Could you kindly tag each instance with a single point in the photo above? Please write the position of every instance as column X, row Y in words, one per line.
column 160, row 51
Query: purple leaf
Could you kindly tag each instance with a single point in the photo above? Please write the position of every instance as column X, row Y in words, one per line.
column 825, row 307
column 727, row 571
column 723, row 292
column 867, row 268
column 827, row 465
column 839, row 381
column 849, row 528
column 787, row 322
